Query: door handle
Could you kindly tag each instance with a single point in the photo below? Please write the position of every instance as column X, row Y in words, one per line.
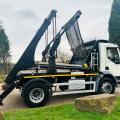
column 106, row 68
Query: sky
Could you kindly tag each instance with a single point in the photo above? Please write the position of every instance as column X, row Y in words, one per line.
column 22, row 18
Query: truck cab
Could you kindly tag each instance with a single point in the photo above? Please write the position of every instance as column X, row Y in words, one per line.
column 109, row 59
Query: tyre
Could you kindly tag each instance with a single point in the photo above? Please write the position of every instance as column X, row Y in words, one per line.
column 106, row 85
column 36, row 94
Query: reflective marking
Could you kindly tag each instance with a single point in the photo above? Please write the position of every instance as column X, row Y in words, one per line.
column 61, row 75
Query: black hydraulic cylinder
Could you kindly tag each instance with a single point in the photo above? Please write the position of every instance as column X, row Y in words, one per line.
column 51, row 65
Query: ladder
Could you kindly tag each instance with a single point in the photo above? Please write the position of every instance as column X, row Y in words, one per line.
column 94, row 61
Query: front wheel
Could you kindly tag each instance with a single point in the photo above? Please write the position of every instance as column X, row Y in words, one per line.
column 106, row 85
column 36, row 94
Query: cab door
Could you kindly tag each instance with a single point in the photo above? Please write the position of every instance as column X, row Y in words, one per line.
column 112, row 63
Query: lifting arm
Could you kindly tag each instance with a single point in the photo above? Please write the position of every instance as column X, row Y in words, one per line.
column 27, row 59
column 56, row 41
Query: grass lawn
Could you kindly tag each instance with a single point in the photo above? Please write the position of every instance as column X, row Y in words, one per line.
column 61, row 112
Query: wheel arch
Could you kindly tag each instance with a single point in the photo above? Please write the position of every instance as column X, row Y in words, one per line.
column 32, row 81
column 44, row 81
column 107, row 74
column 104, row 74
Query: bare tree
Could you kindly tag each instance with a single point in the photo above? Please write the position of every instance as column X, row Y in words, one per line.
column 63, row 57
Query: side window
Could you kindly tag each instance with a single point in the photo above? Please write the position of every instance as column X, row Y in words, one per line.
column 112, row 54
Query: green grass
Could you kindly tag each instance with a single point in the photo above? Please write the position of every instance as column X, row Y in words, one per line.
column 2, row 77
column 61, row 112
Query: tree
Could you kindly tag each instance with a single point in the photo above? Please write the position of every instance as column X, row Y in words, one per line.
column 62, row 57
column 114, row 23
column 4, row 47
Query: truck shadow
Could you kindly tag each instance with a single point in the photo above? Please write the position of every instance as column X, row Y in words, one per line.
column 62, row 99
column 15, row 101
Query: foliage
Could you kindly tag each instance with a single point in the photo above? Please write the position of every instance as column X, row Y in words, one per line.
column 5, row 56
column 114, row 23
column 2, row 77
column 4, row 47
column 61, row 112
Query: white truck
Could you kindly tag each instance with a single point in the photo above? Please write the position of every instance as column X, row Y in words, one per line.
column 94, row 67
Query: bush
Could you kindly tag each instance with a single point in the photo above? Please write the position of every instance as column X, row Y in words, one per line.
column 2, row 77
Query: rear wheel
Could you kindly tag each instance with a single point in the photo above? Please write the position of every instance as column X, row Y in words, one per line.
column 36, row 94
column 106, row 85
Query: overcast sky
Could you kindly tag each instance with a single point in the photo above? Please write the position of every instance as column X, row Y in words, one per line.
column 22, row 18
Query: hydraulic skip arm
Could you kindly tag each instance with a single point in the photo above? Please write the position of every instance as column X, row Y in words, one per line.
column 27, row 59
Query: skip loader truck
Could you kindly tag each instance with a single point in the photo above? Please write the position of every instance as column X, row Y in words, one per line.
column 94, row 66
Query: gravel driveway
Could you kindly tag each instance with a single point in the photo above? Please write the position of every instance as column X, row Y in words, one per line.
column 15, row 101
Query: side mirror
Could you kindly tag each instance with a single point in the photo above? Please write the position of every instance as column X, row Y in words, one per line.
column 117, row 59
